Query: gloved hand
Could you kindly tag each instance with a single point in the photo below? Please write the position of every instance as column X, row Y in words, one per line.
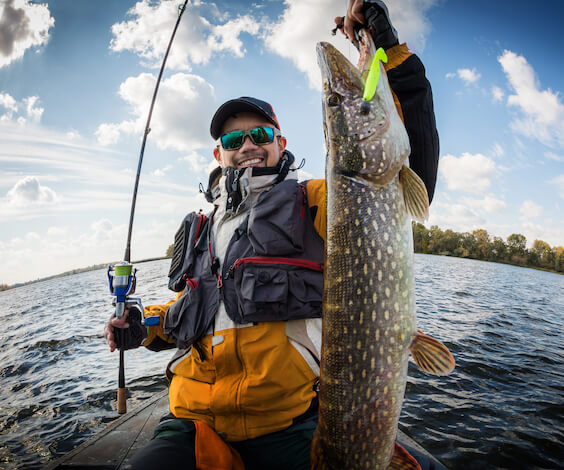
column 378, row 21
column 126, row 332
column 374, row 15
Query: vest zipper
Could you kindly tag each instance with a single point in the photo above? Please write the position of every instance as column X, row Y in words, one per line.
column 304, row 263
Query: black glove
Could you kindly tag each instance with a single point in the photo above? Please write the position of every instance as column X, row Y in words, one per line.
column 132, row 337
column 378, row 21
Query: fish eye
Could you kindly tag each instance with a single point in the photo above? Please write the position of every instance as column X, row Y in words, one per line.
column 334, row 99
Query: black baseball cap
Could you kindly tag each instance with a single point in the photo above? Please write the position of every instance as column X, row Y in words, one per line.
column 240, row 105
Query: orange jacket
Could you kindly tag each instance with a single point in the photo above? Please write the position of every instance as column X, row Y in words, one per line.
column 249, row 381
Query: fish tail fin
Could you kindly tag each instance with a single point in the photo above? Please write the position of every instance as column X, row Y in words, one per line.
column 414, row 194
column 403, row 460
column 431, row 355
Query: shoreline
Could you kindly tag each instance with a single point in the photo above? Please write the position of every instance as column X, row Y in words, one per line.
column 94, row 267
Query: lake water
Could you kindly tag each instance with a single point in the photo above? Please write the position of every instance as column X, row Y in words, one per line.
column 502, row 407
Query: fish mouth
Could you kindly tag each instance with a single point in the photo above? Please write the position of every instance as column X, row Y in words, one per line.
column 337, row 72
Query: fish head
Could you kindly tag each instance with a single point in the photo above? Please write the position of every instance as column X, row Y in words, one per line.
column 365, row 139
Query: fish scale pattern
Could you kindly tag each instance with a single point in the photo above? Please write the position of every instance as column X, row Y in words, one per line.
column 369, row 306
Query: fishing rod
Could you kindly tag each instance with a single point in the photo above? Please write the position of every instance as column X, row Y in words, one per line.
column 121, row 276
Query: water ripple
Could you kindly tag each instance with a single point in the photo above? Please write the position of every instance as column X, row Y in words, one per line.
column 502, row 407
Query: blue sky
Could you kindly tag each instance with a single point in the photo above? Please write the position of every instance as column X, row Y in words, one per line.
column 76, row 80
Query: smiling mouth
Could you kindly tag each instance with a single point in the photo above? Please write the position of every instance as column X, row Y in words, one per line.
column 255, row 161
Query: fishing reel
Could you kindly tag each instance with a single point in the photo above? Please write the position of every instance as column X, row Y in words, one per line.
column 122, row 281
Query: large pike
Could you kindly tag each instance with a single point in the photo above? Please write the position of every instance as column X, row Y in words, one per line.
column 369, row 324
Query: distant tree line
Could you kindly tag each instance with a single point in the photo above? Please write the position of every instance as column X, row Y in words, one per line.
column 73, row 271
column 478, row 244
column 169, row 251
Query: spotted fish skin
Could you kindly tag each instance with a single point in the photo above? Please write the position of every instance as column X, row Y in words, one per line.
column 369, row 303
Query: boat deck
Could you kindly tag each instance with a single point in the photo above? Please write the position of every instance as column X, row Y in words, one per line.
column 112, row 447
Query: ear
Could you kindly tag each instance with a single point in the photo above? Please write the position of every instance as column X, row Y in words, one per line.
column 282, row 143
column 217, row 154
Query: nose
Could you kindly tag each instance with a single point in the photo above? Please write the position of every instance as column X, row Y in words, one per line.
column 248, row 144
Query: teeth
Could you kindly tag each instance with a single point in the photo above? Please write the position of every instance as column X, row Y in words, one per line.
column 251, row 162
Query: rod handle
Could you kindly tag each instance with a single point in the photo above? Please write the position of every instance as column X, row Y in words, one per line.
column 121, row 397
column 121, row 401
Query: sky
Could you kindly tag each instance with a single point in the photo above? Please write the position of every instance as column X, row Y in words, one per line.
column 77, row 77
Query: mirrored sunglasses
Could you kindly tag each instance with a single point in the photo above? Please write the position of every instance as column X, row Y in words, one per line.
column 259, row 135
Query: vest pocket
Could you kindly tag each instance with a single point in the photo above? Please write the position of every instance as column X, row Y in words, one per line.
column 277, row 289
column 306, row 292
column 189, row 318
column 263, row 290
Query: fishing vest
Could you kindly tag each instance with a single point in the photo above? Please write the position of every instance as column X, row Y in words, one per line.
column 272, row 271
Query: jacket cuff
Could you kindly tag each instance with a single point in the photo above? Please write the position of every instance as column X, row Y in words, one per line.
column 397, row 55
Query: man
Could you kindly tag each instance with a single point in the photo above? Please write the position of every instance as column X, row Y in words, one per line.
column 247, row 321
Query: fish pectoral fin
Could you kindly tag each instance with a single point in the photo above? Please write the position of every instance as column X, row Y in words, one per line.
column 414, row 194
column 403, row 460
column 431, row 355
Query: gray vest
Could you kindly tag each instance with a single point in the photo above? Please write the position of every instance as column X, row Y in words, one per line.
column 272, row 271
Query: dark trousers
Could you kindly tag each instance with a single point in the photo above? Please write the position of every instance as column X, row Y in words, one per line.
column 172, row 447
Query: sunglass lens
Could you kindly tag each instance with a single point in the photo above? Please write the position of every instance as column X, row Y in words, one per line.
column 233, row 140
column 259, row 135
column 262, row 135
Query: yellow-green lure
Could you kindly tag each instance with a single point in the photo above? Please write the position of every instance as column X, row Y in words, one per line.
column 372, row 79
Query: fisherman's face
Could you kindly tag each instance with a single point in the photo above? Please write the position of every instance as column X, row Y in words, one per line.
column 249, row 154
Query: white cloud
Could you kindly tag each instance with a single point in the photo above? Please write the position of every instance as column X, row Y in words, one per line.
column 497, row 93
column 181, row 115
column 465, row 218
column 547, row 230
column 60, row 248
column 8, row 102
column 198, row 163
column 468, row 76
column 146, row 34
column 542, row 110
column 457, row 217
column 108, row 134
column 530, row 210
column 470, row 173
column 306, row 22
column 160, row 172
column 76, row 178
column 22, row 25
column 21, row 112
column 29, row 191
column 304, row 175
column 33, row 112
column 487, row 204
column 49, row 169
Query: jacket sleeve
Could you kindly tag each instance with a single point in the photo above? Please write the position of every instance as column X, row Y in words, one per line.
column 156, row 339
column 406, row 75
column 316, row 190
